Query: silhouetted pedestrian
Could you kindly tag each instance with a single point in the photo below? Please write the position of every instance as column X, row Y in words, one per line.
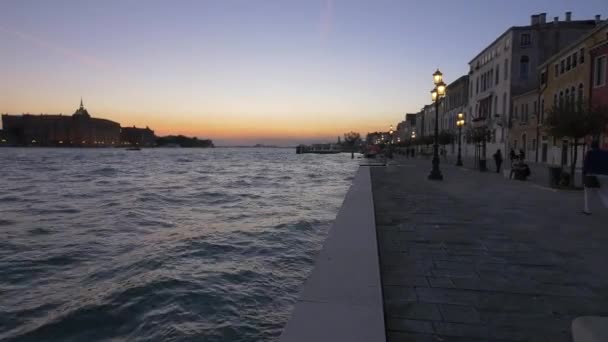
column 498, row 160
column 522, row 155
column 512, row 155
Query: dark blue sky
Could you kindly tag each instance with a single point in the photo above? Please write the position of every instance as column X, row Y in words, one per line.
column 248, row 70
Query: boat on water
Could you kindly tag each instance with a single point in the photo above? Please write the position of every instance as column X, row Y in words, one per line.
column 134, row 148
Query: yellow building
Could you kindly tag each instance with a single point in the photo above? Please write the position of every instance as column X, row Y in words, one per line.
column 565, row 77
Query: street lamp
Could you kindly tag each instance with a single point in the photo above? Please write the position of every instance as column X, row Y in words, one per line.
column 436, row 94
column 390, row 134
column 459, row 123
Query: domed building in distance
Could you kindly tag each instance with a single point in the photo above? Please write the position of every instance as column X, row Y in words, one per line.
column 78, row 130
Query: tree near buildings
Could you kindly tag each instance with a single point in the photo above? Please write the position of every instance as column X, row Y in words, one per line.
column 352, row 139
column 575, row 122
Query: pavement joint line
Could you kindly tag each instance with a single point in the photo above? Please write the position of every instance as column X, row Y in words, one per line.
column 542, row 187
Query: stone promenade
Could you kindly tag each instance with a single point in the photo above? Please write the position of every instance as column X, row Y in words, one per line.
column 477, row 257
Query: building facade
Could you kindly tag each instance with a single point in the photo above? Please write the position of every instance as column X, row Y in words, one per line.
column 78, row 129
column 455, row 101
column 523, row 124
column 507, row 68
column 566, row 77
column 598, row 54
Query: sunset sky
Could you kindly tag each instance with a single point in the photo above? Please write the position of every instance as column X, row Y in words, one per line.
column 247, row 71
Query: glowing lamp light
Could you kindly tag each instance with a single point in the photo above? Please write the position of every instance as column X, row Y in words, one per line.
column 441, row 89
column 33, row 141
column 434, row 95
column 437, row 77
column 61, row 141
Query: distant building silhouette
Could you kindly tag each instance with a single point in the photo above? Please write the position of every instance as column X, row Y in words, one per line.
column 78, row 130
column 137, row 136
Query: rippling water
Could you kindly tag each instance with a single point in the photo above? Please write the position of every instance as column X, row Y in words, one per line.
column 160, row 244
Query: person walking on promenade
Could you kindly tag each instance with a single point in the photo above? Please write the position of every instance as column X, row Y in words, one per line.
column 498, row 160
column 595, row 175
column 522, row 155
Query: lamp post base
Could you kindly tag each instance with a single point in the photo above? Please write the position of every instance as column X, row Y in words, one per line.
column 435, row 172
column 436, row 175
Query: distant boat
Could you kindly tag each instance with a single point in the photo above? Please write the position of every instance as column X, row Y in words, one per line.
column 133, row 148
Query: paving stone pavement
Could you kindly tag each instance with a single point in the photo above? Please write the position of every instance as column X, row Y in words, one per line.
column 477, row 257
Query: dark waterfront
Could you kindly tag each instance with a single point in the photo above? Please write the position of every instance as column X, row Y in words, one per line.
column 160, row 244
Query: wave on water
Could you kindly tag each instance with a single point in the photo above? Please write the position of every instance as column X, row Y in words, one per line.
column 126, row 246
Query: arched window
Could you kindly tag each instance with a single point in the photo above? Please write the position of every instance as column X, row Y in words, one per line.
column 572, row 96
column 524, row 67
column 580, row 93
column 496, row 105
column 561, row 98
column 555, row 100
column 504, row 103
column 567, row 97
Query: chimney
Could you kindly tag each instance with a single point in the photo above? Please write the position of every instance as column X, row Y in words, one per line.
column 568, row 16
column 542, row 18
column 534, row 19
column 598, row 18
column 555, row 20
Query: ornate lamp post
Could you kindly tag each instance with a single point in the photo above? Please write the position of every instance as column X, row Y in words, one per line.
column 436, row 94
column 459, row 123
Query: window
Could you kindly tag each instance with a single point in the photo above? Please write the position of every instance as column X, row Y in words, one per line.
column 555, row 100
column 491, row 78
column 497, row 76
column 568, row 63
column 542, row 110
column 543, row 78
column 582, row 58
column 567, row 97
column 525, row 39
column 580, row 93
column 572, row 96
column 507, row 43
column 477, row 85
column 504, row 103
column 506, row 69
column 496, row 105
column 561, row 98
column 471, row 90
column 562, row 66
column 556, row 69
column 515, row 114
column 574, row 59
column 599, row 72
column 524, row 66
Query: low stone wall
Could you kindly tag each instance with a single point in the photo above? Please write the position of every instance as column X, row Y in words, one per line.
column 342, row 298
